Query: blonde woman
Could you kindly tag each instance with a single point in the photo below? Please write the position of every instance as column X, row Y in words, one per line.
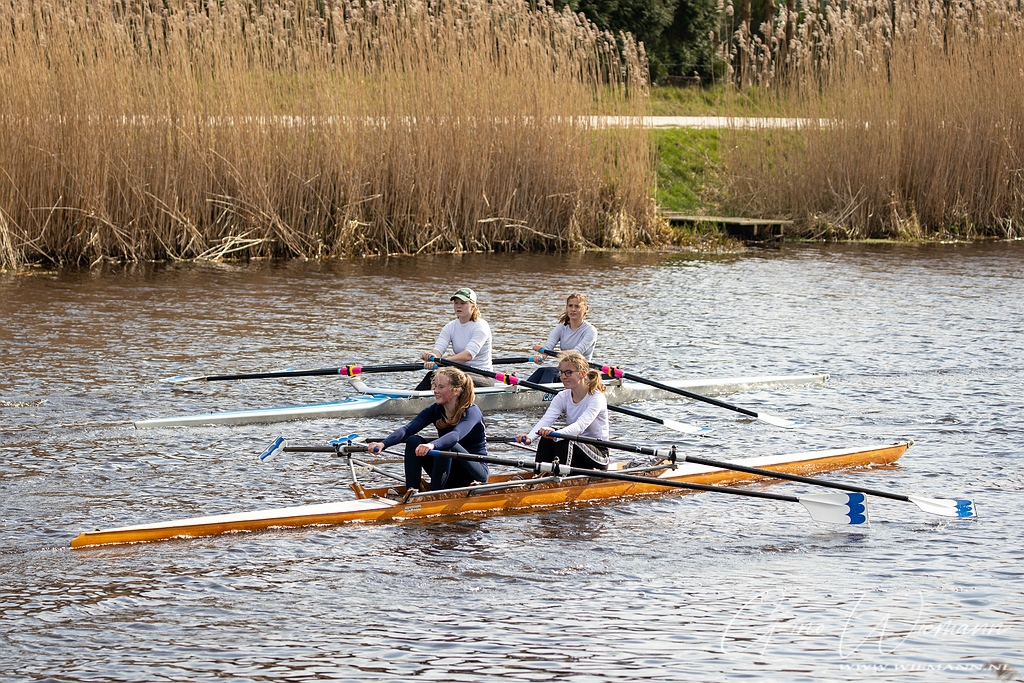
column 586, row 411
column 573, row 333
column 460, row 427
column 468, row 336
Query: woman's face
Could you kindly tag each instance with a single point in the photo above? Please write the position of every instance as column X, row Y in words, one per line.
column 569, row 375
column 576, row 310
column 444, row 394
column 463, row 309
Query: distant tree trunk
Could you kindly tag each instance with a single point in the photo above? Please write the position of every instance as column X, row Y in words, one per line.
column 772, row 56
column 744, row 44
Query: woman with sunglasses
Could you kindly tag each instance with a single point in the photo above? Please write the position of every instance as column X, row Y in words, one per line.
column 586, row 411
column 573, row 333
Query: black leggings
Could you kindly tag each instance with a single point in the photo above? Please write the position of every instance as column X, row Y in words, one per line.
column 445, row 473
column 584, row 456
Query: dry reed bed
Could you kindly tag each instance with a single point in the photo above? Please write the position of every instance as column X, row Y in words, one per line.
column 177, row 130
column 926, row 136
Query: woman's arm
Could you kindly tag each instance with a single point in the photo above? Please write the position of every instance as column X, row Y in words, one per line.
column 470, row 419
column 444, row 340
column 425, row 417
column 553, row 340
column 554, row 411
column 590, row 407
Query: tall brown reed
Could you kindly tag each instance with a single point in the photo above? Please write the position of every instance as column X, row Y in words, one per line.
column 914, row 129
column 168, row 129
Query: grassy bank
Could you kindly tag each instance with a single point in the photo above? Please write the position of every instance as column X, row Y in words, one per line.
column 176, row 130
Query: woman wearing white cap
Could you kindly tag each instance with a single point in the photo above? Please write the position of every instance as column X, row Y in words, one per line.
column 468, row 336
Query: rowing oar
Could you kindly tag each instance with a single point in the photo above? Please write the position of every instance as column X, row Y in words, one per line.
column 344, row 370
column 835, row 508
column 619, row 373
column 340, row 447
column 513, row 380
column 337, row 446
column 343, row 445
column 947, row 507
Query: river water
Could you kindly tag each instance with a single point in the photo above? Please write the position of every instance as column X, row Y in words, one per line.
column 921, row 342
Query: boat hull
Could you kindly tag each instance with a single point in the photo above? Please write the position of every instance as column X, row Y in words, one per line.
column 484, row 500
column 500, row 398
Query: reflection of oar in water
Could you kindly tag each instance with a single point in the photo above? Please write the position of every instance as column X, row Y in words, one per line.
column 835, row 508
column 947, row 507
column 619, row 373
column 513, row 380
column 344, row 370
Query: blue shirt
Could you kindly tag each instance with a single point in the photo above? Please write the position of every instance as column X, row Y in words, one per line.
column 468, row 432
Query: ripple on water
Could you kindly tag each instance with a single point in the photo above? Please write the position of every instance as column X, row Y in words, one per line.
column 921, row 344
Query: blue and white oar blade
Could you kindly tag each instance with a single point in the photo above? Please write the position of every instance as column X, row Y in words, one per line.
column 837, row 508
column 273, row 450
column 181, row 379
column 947, row 507
column 342, row 440
column 780, row 421
column 685, row 428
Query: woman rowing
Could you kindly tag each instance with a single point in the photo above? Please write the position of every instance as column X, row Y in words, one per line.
column 586, row 410
column 460, row 427
column 573, row 333
column 469, row 337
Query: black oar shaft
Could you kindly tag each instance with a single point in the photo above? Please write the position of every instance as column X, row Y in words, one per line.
column 732, row 466
column 513, row 380
column 619, row 373
column 349, row 370
column 558, row 469
column 672, row 389
column 344, row 370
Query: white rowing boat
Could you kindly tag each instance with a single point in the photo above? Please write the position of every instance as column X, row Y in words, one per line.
column 499, row 398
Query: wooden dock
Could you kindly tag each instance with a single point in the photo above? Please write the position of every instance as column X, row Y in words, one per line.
column 754, row 230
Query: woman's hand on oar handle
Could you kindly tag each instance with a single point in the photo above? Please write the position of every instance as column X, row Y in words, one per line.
column 428, row 360
column 375, row 447
column 423, row 449
column 543, row 432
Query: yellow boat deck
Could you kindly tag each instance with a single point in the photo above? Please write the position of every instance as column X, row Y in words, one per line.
column 501, row 494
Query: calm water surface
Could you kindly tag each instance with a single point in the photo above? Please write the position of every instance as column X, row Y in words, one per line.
column 922, row 343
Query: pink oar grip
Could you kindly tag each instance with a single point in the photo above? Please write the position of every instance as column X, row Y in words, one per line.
column 612, row 372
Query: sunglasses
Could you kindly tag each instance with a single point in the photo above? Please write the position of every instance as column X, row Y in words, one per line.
column 566, row 373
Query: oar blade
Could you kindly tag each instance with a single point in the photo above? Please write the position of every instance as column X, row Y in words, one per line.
column 686, row 428
column 947, row 507
column 342, row 440
column 273, row 450
column 181, row 379
column 837, row 508
column 780, row 421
